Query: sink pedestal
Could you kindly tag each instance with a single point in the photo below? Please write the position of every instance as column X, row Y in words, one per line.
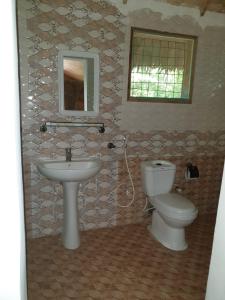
column 71, row 235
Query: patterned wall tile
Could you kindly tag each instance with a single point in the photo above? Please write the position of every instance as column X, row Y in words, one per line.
column 45, row 26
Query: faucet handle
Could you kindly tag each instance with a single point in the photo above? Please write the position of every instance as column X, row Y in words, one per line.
column 68, row 154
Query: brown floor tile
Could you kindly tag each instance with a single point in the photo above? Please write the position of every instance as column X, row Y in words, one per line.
column 121, row 263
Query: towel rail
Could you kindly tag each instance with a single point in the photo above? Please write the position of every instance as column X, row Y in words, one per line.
column 45, row 125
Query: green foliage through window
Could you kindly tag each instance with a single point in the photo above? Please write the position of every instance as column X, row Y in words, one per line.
column 156, row 82
column 161, row 66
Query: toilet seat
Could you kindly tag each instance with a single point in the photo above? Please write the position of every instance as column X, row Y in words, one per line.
column 174, row 205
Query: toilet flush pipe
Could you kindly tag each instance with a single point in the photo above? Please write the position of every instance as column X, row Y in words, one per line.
column 146, row 209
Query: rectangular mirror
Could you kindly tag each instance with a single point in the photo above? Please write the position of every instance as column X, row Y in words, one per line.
column 78, row 83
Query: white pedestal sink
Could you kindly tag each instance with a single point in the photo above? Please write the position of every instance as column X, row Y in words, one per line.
column 70, row 173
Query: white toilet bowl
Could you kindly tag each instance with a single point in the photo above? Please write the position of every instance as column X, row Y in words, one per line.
column 172, row 213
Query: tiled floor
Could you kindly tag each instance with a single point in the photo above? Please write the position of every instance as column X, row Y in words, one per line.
column 121, row 263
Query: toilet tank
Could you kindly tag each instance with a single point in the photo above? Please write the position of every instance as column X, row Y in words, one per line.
column 157, row 176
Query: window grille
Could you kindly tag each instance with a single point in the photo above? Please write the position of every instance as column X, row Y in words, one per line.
column 160, row 66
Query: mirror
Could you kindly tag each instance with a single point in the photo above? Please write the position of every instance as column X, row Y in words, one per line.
column 78, row 83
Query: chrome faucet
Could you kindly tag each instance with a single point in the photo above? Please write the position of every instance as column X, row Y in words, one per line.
column 68, row 154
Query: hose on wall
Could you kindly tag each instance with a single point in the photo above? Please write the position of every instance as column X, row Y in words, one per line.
column 111, row 145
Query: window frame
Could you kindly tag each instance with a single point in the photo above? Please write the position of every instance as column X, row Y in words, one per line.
column 192, row 68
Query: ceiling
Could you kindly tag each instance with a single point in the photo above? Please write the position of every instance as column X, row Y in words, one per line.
column 203, row 5
column 209, row 5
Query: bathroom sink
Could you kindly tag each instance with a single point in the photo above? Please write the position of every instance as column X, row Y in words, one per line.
column 75, row 170
column 70, row 173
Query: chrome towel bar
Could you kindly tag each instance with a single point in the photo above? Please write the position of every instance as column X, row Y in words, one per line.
column 45, row 125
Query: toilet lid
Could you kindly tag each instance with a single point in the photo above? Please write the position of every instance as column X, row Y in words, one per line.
column 173, row 203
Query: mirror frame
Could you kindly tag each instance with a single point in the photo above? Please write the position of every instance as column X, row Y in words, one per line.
column 80, row 56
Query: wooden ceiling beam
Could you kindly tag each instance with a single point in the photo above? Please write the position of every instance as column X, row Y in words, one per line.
column 204, row 7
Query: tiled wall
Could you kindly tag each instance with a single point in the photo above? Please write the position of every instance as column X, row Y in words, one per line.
column 96, row 26
column 207, row 109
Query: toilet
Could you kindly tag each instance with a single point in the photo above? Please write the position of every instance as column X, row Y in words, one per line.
column 172, row 212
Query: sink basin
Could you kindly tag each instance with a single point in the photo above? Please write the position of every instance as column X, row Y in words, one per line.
column 70, row 173
column 76, row 170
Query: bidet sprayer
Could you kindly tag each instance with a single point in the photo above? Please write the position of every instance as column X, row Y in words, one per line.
column 125, row 140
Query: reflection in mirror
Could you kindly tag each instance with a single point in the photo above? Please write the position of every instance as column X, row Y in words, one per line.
column 78, row 83
column 75, row 92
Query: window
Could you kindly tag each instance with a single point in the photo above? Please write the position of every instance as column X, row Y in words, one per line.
column 161, row 66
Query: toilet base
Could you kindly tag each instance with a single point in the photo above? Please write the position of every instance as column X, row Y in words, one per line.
column 170, row 237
